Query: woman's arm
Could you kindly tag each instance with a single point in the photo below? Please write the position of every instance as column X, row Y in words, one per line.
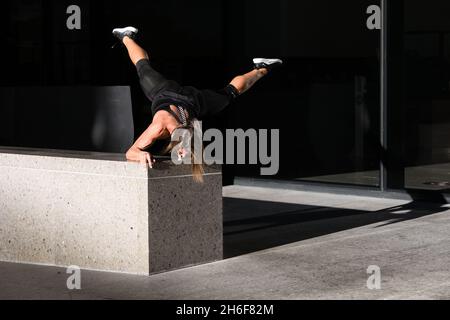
column 137, row 153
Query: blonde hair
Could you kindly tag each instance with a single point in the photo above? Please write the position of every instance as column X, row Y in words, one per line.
column 197, row 164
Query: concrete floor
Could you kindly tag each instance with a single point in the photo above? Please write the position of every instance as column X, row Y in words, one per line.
column 283, row 244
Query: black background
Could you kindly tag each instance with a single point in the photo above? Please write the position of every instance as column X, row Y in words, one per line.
column 325, row 45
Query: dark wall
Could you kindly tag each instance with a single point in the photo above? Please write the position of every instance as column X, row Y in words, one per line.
column 70, row 118
column 427, row 79
column 327, row 126
column 325, row 44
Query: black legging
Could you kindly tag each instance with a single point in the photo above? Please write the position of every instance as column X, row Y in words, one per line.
column 163, row 93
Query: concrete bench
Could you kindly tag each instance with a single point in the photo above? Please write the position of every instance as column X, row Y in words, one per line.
column 100, row 212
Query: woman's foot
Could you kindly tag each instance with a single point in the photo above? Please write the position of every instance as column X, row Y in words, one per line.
column 269, row 64
column 121, row 33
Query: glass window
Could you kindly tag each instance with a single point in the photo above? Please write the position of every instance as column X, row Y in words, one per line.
column 326, row 99
column 427, row 98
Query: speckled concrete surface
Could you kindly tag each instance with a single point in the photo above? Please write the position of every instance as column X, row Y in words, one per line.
column 107, row 214
column 186, row 218
column 285, row 244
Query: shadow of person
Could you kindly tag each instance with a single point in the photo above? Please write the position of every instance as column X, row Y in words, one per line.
column 254, row 225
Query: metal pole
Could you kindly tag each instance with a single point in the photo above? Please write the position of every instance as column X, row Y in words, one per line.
column 383, row 95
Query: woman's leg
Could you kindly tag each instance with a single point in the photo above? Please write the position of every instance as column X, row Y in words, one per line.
column 152, row 82
column 244, row 82
column 135, row 52
column 215, row 101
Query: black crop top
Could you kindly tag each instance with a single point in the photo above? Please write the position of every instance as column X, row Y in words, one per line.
column 185, row 104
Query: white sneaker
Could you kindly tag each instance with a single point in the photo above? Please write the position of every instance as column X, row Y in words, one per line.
column 269, row 64
column 130, row 32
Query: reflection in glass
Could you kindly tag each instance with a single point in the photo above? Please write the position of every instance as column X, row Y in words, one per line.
column 427, row 74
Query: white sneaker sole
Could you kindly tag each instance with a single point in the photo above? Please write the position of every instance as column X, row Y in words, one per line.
column 267, row 61
column 122, row 30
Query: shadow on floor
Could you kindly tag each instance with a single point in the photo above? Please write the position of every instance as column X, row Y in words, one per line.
column 251, row 225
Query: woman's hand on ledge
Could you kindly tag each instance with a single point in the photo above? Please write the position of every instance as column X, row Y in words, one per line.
column 143, row 157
